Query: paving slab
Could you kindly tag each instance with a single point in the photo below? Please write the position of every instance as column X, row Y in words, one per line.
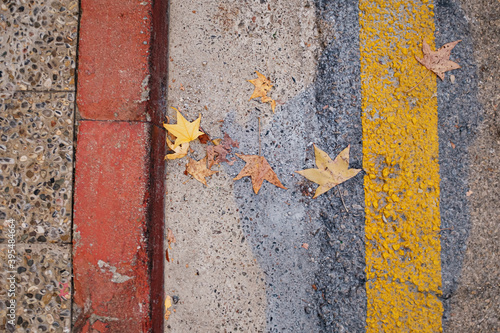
column 38, row 45
column 42, row 291
column 36, row 165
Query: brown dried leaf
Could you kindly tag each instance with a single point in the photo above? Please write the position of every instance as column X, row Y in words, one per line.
column 259, row 170
column 204, row 138
column 218, row 153
column 170, row 237
column 438, row 61
column 198, row 169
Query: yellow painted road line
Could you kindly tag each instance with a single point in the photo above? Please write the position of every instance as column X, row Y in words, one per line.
column 400, row 155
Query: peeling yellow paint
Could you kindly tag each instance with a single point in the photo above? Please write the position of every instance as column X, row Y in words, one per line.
column 400, row 156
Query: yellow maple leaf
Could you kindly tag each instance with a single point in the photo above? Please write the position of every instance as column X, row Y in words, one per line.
column 179, row 152
column 329, row 173
column 267, row 99
column 262, row 86
column 184, row 131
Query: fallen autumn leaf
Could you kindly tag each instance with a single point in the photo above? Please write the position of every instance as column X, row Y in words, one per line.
column 329, row 173
column 259, row 170
column 184, row 131
column 170, row 237
column 262, row 87
column 179, row 152
column 198, row 169
column 438, row 61
column 168, row 304
column 218, row 153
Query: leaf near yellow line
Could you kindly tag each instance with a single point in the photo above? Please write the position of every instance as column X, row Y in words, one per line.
column 438, row 61
column 184, row 131
column 259, row 170
column 329, row 173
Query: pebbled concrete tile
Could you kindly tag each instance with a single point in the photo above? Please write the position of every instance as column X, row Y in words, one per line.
column 43, row 288
column 36, row 163
column 37, row 45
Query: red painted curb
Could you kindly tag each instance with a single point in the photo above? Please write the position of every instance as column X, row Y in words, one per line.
column 111, row 209
column 120, row 170
column 113, row 54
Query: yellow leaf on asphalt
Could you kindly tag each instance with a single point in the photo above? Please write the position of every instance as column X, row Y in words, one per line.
column 438, row 61
column 179, row 152
column 184, row 131
column 199, row 170
column 329, row 173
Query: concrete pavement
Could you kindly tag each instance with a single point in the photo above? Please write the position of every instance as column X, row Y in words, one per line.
column 409, row 244
column 313, row 57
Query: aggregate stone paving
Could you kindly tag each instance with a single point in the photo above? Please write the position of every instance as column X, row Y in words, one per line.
column 43, row 288
column 36, row 165
column 37, row 45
